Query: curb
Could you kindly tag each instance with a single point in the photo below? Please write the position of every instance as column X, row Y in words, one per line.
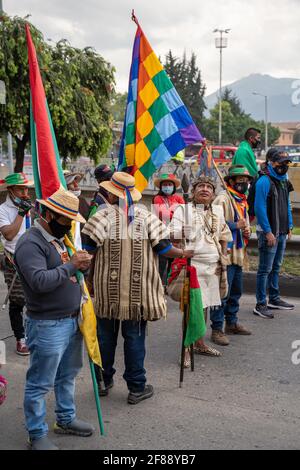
column 289, row 286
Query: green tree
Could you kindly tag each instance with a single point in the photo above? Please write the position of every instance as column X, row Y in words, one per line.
column 80, row 91
column 235, row 122
column 78, row 85
column 234, row 102
column 118, row 106
column 14, row 115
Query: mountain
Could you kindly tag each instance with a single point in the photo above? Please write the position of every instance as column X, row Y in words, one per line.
column 278, row 90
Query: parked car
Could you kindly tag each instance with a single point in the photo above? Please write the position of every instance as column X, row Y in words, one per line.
column 221, row 153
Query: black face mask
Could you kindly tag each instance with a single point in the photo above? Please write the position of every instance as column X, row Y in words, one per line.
column 281, row 170
column 256, row 144
column 58, row 230
column 241, row 188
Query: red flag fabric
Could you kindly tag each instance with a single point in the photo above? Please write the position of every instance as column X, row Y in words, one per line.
column 45, row 145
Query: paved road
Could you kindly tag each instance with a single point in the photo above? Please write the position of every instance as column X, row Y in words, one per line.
column 248, row 399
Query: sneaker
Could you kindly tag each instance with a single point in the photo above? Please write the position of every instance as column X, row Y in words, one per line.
column 103, row 389
column 75, row 428
column 136, row 397
column 43, row 443
column 280, row 305
column 218, row 337
column 21, row 348
column 237, row 329
column 262, row 311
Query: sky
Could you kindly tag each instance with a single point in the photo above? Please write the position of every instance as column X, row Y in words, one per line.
column 264, row 36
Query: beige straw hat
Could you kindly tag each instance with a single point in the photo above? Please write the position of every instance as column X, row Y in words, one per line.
column 119, row 183
column 70, row 177
column 64, row 203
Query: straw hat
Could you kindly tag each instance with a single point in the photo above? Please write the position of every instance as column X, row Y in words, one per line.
column 15, row 179
column 64, row 203
column 119, row 183
column 70, row 177
column 164, row 178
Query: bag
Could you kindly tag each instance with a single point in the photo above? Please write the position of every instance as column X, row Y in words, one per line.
column 221, row 272
column 176, row 279
column 3, row 389
column 251, row 195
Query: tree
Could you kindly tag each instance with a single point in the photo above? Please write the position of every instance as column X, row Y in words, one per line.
column 79, row 93
column 186, row 78
column 235, row 104
column 118, row 106
column 14, row 115
column 78, row 85
column 235, row 122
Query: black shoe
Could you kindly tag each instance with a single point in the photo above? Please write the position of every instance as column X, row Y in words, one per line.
column 262, row 311
column 103, row 389
column 136, row 397
column 43, row 443
column 75, row 428
column 280, row 305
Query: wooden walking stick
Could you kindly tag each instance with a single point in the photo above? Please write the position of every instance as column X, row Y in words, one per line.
column 224, row 185
column 186, row 290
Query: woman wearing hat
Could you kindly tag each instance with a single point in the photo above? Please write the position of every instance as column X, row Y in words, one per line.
column 14, row 220
column 165, row 203
column 128, row 291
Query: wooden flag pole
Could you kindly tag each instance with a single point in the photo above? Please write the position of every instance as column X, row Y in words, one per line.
column 186, row 291
column 225, row 186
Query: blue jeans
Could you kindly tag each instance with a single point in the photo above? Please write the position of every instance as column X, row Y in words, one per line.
column 56, row 355
column 134, row 351
column 231, row 304
column 270, row 260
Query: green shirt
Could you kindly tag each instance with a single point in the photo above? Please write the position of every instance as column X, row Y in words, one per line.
column 245, row 156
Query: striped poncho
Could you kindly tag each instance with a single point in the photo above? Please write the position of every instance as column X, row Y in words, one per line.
column 127, row 284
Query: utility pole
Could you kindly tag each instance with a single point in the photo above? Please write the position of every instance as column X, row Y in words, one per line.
column 221, row 43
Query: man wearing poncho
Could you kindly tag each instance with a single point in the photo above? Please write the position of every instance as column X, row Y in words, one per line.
column 127, row 286
column 237, row 180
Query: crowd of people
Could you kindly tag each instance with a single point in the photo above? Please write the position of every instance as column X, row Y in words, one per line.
column 125, row 252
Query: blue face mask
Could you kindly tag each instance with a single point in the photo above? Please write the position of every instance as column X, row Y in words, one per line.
column 168, row 190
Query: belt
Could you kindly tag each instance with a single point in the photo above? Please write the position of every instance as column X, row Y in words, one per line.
column 73, row 315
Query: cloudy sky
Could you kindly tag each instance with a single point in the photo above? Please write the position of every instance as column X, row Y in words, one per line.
column 264, row 36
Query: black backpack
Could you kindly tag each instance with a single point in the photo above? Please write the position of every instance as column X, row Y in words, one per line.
column 251, row 194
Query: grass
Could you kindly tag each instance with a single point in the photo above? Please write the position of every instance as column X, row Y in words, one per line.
column 296, row 230
column 290, row 266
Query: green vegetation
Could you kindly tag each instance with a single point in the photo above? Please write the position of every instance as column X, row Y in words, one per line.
column 290, row 266
column 79, row 85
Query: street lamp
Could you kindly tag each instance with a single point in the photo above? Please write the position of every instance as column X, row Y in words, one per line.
column 221, row 43
column 266, row 117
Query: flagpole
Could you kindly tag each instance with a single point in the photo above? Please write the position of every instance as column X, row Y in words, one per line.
column 97, row 399
column 225, row 186
column 186, row 291
column 79, row 277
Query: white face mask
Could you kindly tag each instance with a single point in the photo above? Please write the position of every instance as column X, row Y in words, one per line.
column 77, row 192
column 168, row 190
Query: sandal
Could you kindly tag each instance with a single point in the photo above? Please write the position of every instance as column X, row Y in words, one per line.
column 187, row 360
column 206, row 350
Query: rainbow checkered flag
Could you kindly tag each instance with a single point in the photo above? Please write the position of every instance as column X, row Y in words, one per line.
column 157, row 124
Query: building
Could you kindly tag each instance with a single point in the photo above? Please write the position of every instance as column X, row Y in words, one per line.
column 290, row 132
